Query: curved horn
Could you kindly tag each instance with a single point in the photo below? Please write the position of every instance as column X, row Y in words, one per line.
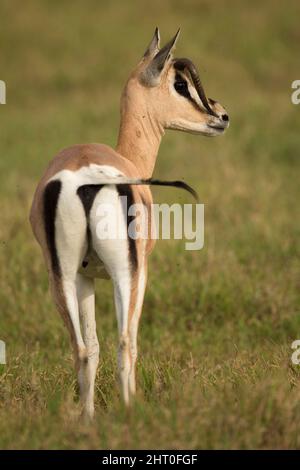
column 181, row 64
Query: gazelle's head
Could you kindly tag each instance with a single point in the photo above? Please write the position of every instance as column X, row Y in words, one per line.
column 170, row 91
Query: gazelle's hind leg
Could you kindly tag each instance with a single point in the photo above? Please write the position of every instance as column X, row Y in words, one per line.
column 115, row 256
column 137, row 296
column 86, row 300
column 65, row 296
column 129, row 298
column 75, row 301
column 67, row 249
column 122, row 259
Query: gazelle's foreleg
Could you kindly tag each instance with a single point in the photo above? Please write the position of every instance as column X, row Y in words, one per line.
column 86, row 300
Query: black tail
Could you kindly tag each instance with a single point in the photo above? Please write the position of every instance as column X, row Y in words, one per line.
column 176, row 184
column 153, row 182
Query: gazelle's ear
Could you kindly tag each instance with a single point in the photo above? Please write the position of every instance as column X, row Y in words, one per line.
column 153, row 47
column 151, row 75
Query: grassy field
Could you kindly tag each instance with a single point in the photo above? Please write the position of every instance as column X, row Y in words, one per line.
column 217, row 327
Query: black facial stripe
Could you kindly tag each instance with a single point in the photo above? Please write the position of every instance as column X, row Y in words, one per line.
column 181, row 86
column 185, row 90
column 126, row 190
column 50, row 199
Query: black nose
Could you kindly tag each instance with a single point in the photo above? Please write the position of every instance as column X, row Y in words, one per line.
column 225, row 117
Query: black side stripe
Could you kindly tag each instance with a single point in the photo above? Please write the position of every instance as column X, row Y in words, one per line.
column 50, row 200
column 126, row 190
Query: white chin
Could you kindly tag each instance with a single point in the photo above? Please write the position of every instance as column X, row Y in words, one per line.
column 195, row 128
column 216, row 131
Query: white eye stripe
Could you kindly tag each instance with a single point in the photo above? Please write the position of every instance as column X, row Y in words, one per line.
column 191, row 88
column 194, row 94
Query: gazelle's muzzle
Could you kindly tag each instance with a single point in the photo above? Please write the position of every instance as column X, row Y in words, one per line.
column 220, row 121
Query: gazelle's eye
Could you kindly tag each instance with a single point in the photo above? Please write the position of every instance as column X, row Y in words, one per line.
column 181, row 86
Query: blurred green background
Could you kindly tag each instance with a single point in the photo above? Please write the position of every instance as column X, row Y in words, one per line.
column 217, row 326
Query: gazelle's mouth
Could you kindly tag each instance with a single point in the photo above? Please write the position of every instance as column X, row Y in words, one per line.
column 218, row 128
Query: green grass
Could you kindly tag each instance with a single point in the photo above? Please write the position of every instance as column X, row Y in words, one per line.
column 214, row 367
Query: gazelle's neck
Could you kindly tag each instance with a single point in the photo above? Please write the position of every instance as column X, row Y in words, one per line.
column 139, row 139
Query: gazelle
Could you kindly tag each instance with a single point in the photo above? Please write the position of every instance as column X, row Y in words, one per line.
column 161, row 93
